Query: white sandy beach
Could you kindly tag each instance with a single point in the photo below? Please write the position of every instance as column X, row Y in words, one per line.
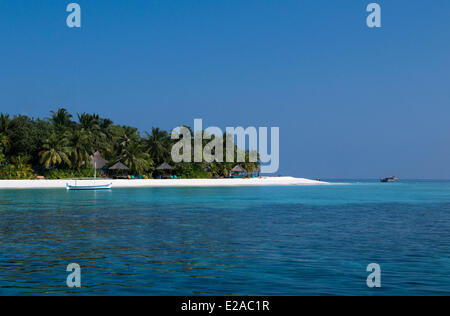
column 61, row 184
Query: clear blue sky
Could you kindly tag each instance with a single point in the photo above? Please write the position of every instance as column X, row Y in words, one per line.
column 351, row 102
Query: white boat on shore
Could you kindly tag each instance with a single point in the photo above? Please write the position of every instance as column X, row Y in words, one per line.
column 88, row 187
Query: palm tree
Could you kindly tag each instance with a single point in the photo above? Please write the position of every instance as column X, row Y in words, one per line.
column 105, row 123
column 158, row 144
column 136, row 159
column 20, row 161
column 4, row 143
column 80, row 147
column 90, row 123
column 110, row 132
column 55, row 151
column 248, row 165
column 126, row 135
column 22, row 168
column 5, row 122
column 2, row 158
column 61, row 119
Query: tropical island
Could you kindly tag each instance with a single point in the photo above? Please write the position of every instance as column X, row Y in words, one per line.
column 61, row 147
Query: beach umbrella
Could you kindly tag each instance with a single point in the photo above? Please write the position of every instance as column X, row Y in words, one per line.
column 164, row 166
column 238, row 169
column 119, row 166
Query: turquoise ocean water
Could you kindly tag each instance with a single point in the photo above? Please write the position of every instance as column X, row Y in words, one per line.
column 300, row 240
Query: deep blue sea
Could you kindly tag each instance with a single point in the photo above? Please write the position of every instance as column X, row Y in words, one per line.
column 300, row 240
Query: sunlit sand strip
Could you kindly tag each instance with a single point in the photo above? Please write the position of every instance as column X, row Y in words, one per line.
column 264, row 181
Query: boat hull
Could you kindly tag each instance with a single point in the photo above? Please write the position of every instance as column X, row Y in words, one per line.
column 88, row 187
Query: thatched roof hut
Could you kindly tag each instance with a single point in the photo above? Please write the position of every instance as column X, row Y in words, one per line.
column 164, row 166
column 119, row 166
column 238, row 169
column 98, row 161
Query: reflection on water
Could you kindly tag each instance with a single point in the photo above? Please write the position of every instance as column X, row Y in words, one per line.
column 265, row 241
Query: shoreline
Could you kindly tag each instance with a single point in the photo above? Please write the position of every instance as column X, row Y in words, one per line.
column 61, row 184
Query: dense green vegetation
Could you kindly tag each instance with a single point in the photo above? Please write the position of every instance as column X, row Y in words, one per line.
column 60, row 147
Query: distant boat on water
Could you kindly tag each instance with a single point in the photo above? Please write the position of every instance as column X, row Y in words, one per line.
column 390, row 179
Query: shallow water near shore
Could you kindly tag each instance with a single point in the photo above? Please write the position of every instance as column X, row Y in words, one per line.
column 296, row 240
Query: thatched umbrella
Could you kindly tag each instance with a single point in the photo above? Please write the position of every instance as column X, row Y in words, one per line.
column 119, row 166
column 238, row 169
column 164, row 166
column 98, row 161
